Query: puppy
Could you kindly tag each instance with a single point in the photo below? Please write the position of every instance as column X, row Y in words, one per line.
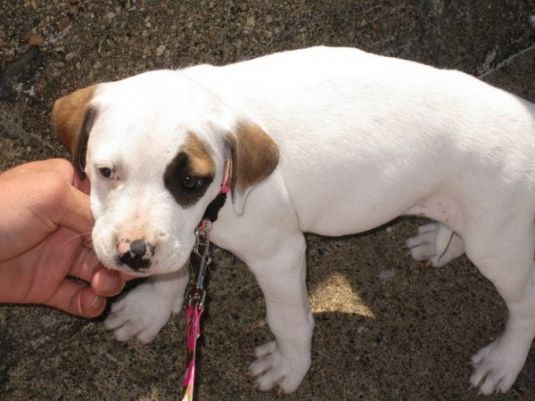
column 331, row 141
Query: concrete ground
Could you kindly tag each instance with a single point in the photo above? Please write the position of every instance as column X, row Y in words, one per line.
column 387, row 328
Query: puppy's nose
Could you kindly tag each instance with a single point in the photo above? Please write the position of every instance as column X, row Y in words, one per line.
column 138, row 248
column 135, row 254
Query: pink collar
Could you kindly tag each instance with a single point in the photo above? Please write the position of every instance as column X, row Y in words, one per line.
column 210, row 215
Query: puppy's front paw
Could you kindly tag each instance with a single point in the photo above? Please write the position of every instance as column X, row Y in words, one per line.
column 436, row 243
column 140, row 314
column 272, row 367
column 496, row 366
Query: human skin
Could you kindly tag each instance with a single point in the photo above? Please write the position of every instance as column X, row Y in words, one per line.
column 45, row 226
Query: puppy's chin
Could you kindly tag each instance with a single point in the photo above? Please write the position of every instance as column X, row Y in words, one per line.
column 132, row 273
column 154, row 270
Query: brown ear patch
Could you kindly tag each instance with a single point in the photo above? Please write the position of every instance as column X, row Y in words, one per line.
column 254, row 154
column 71, row 118
column 68, row 116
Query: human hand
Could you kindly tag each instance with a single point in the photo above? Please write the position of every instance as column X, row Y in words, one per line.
column 45, row 226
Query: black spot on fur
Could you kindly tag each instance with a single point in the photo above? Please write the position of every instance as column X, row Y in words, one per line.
column 133, row 261
column 179, row 177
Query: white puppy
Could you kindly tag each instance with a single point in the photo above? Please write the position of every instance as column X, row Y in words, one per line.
column 332, row 141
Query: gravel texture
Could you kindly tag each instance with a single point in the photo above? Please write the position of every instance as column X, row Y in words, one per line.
column 387, row 328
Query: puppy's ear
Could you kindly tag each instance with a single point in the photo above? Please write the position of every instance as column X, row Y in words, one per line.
column 72, row 119
column 254, row 157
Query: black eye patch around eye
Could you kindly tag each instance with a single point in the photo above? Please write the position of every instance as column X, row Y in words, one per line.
column 186, row 186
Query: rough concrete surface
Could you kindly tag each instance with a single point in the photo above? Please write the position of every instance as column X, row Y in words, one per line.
column 387, row 328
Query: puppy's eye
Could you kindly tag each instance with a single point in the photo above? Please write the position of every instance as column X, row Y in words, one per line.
column 190, row 183
column 105, row 172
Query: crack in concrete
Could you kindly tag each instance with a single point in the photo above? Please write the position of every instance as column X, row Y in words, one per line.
column 507, row 61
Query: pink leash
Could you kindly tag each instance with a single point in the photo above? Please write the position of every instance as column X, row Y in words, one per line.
column 197, row 292
column 194, row 311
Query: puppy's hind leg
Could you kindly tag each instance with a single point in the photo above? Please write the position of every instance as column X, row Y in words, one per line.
column 504, row 254
column 436, row 243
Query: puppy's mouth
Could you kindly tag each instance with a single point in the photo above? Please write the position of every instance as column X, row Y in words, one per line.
column 133, row 265
column 133, row 262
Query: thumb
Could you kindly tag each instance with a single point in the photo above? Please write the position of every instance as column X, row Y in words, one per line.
column 83, row 185
column 73, row 211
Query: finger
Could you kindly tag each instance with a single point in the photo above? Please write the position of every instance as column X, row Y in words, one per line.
column 50, row 193
column 107, row 283
column 62, row 167
column 67, row 171
column 77, row 299
column 104, row 282
column 59, row 166
column 82, row 185
column 85, row 265
column 72, row 210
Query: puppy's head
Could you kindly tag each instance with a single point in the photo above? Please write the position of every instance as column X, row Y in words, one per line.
column 154, row 148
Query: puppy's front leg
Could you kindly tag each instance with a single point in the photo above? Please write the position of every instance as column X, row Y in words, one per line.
column 285, row 361
column 142, row 312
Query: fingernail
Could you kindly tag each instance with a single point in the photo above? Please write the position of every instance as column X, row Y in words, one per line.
column 97, row 302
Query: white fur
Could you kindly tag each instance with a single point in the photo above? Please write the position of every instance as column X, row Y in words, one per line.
column 362, row 139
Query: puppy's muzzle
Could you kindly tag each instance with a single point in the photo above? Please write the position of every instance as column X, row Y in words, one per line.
column 135, row 254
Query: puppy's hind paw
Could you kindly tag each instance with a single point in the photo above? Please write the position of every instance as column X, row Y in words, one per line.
column 273, row 368
column 435, row 243
column 496, row 368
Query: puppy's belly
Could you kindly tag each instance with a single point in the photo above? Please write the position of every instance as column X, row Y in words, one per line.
column 442, row 208
column 360, row 216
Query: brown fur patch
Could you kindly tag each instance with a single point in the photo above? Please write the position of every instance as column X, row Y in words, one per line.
column 201, row 163
column 71, row 119
column 255, row 155
column 68, row 116
column 191, row 171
